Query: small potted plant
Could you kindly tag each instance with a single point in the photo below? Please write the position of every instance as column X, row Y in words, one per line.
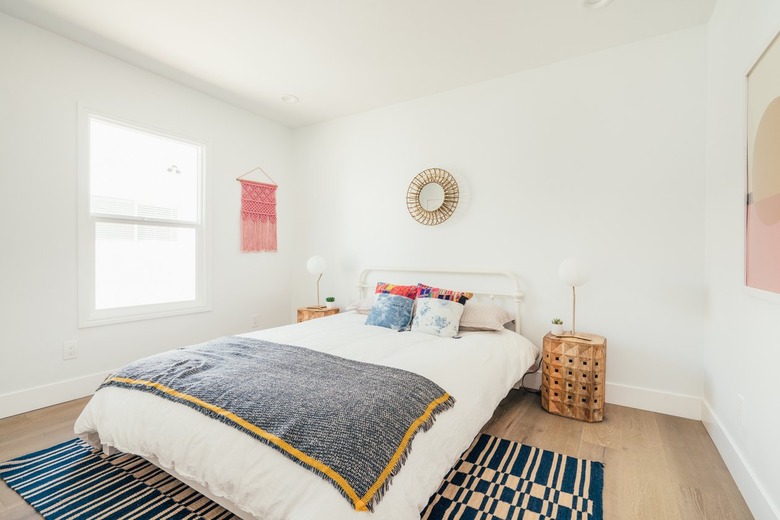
column 557, row 327
column 329, row 302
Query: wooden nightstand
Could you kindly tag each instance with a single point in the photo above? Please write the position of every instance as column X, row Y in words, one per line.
column 306, row 314
column 573, row 376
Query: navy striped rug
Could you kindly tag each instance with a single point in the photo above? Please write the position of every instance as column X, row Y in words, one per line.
column 500, row 479
column 71, row 481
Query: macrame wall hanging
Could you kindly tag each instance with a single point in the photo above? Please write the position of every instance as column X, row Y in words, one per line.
column 258, row 214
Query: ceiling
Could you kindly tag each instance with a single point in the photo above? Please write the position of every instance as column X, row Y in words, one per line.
column 341, row 57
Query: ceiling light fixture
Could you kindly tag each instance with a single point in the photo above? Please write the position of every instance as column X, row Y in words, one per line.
column 594, row 4
column 289, row 99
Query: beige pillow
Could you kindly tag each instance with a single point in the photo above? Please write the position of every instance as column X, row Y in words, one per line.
column 484, row 316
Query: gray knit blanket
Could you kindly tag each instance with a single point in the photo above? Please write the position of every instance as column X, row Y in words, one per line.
column 351, row 423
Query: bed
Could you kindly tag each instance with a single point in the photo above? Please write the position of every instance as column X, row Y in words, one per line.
column 255, row 481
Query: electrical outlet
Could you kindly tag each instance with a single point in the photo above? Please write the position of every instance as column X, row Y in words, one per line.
column 70, row 350
column 255, row 320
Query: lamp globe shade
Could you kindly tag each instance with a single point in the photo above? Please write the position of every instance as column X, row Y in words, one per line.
column 573, row 272
column 316, row 265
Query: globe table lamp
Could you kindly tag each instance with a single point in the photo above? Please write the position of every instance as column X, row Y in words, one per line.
column 317, row 265
column 574, row 272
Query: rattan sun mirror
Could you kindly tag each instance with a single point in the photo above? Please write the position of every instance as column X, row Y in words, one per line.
column 432, row 196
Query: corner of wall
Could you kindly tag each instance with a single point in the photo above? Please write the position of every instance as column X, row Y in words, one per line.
column 756, row 496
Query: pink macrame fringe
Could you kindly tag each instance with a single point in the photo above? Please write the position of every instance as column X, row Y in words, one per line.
column 258, row 236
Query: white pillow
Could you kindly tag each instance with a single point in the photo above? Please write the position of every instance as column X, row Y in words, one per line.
column 437, row 317
column 363, row 306
column 484, row 316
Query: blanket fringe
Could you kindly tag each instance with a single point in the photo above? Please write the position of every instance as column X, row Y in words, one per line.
column 423, row 427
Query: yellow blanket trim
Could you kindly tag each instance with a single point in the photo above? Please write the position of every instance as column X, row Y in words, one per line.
column 401, row 448
column 359, row 504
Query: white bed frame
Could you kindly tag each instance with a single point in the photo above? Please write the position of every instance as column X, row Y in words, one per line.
column 516, row 295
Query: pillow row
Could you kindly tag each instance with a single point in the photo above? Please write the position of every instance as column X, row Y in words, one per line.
column 422, row 291
column 441, row 312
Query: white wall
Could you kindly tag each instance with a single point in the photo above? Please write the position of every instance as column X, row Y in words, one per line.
column 600, row 157
column 742, row 350
column 42, row 79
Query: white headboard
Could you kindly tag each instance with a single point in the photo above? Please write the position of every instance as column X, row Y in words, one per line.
column 510, row 284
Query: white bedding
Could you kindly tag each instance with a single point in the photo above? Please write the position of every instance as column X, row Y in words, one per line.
column 477, row 369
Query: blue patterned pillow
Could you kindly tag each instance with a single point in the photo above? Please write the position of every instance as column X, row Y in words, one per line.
column 391, row 311
column 438, row 317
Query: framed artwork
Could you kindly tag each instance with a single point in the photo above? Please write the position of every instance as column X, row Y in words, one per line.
column 762, row 218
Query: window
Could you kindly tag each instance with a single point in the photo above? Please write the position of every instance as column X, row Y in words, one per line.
column 141, row 232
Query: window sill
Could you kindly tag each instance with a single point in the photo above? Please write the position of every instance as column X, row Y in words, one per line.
column 112, row 316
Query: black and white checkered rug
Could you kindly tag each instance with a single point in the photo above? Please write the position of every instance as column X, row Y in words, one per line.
column 500, row 479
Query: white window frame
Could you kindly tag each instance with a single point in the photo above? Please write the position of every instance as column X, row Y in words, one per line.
column 89, row 316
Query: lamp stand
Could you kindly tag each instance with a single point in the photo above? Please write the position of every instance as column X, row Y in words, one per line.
column 573, row 333
column 318, row 306
column 573, row 308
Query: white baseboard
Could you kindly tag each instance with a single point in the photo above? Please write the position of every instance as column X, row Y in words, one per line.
column 648, row 399
column 680, row 405
column 754, row 493
column 22, row 401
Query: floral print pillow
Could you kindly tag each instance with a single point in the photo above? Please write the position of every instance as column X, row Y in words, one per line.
column 391, row 311
column 438, row 317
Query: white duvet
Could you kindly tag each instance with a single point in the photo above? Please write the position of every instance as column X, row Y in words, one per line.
column 477, row 370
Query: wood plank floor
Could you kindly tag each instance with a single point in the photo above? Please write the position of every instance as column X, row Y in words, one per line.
column 656, row 466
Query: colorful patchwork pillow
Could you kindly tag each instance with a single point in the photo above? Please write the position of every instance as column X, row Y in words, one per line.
column 437, row 316
column 407, row 291
column 391, row 311
column 426, row 291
